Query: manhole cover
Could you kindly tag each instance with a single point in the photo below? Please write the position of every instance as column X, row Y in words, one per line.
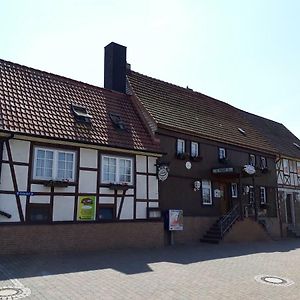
column 273, row 280
column 10, row 293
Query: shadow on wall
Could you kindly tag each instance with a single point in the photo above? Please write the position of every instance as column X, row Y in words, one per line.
column 131, row 261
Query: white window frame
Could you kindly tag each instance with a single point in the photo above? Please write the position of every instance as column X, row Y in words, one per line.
column 195, row 146
column 286, row 167
column 263, row 162
column 252, row 160
column 206, row 184
column 117, row 181
column 262, row 195
column 55, row 163
column 182, row 142
column 234, row 190
column 222, row 153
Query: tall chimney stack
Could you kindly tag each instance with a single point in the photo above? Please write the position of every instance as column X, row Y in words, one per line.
column 115, row 67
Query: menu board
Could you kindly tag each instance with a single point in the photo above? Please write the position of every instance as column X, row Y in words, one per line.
column 175, row 219
column 86, row 209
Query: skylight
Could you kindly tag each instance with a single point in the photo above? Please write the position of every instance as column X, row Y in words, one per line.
column 117, row 121
column 297, row 145
column 80, row 113
column 242, row 131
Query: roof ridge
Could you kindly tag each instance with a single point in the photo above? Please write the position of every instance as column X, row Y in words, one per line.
column 58, row 77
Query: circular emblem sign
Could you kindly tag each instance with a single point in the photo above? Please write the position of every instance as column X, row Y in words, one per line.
column 188, row 165
column 249, row 169
column 163, row 173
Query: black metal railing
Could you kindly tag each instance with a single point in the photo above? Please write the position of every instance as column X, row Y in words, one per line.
column 227, row 220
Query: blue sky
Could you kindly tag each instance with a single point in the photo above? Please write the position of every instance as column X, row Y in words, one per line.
column 245, row 53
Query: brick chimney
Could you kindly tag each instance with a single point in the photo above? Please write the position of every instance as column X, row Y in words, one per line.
column 115, row 67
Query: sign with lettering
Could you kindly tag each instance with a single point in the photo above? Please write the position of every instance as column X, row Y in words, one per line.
column 23, row 193
column 222, row 170
column 175, row 219
column 86, row 208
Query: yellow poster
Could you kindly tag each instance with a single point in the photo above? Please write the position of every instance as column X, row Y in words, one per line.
column 86, row 209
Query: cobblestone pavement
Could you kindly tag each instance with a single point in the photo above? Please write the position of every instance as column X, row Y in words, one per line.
column 181, row 272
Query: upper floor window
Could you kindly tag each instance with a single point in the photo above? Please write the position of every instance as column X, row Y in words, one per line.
column 263, row 162
column 194, row 149
column 234, row 190
column 222, row 153
column 252, row 161
column 286, row 168
column 116, row 169
column 54, row 164
column 180, row 146
column 263, row 198
column 206, row 192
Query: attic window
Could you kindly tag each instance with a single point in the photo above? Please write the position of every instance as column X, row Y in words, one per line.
column 242, row 131
column 117, row 121
column 80, row 113
column 297, row 145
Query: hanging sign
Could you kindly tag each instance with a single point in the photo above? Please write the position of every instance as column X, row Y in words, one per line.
column 175, row 219
column 249, row 169
column 163, row 172
column 86, row 208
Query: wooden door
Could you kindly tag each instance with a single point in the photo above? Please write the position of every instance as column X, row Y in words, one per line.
column 224, row 200
column 289, row 209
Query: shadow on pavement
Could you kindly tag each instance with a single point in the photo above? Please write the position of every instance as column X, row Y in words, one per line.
column 131, row 261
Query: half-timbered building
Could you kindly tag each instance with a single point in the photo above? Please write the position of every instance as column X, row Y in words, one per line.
column 73, row 154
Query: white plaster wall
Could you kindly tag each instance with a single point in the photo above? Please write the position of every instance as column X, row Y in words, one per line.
column 8, row 204
column 141, row 163
column 141, row 187
column 40, row 199
column 20, row 150
column 106, row 190
column 87, row 182
column 6, row 178
column 88, row 158
column 23, row 204
column 21, row 175
column 130, row 192
column 127, row 209
column 63, row 208
column 141, row 210
column 151, row 165
column 153, row 204
column 153, row 187
column 4, row 155
column 40, row 188
column 106, row 200
column 68, row 189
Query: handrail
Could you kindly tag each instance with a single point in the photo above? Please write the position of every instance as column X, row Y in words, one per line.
column 227, row 220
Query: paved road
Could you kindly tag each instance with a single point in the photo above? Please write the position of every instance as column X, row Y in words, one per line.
column 182, row 272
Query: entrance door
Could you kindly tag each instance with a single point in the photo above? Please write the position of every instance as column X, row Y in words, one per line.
column 224, row 200
column 289, row 209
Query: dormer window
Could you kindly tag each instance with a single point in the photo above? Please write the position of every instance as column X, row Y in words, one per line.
column 80, row 113
column 117, row 121
column 252, row 160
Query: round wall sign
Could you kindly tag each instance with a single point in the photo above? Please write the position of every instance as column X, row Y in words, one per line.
column 249, row 169
column 163, row 173
column 188, row 165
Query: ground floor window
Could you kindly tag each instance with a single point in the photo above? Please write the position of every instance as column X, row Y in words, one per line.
column 234, row 190
column 263, row 195
column 106, row 212
column 206, row 192
column 38, row 213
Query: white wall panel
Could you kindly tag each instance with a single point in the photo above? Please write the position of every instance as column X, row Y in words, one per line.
column 21, row 175
column 141, row 163
column 127, row 209
column 88, row 182
column 39, row 199
column 153, row 187
column 151, row 165
column 106, row 200
column 23, row 204
column 8, row 204
column 6, row 178
column 68, row 189
column 20, row 150
column 106, row 190
column 4, row 154
column 63, row 208
column 40, row 188
column 141, row 187
column 153, row 204
column 141, row 210
column 88, row 158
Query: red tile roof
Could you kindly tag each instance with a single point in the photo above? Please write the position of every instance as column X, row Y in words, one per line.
column 39, row 103
column 182, row 109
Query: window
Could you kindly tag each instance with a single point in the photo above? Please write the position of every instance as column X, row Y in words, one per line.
column 263, row 198
column 252, row 160
column 194, row 149
column 180, row 146
column 206, row 192
column 286, row 168
column 251, row 194
column 263, row 162
column 38, row 213
column 222, row 153
column 117, row 169
column 234, row 190
column 51, row 164
column 117, row 121
column 80, row 113
column 106, row 212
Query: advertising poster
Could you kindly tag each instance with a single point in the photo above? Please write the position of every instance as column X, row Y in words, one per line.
column 86, row 209
column 175, row 219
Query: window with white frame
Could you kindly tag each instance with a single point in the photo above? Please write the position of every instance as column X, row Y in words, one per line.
column 252, row 160
column 263, row 195
column 222, row 153
column 180, row 146
column 234, row 190
column 206, row 192
column 263, row 162
column 54, row 164
column 286, row 168
column 194, row 149
column 116, row 169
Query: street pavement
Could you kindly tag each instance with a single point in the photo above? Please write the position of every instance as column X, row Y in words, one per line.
column 199, row 271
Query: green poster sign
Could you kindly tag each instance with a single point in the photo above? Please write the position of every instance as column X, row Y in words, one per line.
column 86, row 208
